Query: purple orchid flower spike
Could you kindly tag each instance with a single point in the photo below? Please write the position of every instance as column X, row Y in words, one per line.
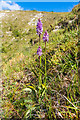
column 39, row 51
column 46, row 36
column 39, row 27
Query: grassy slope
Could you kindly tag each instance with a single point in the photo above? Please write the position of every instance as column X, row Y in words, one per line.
column 18, row 54
column 17, row 23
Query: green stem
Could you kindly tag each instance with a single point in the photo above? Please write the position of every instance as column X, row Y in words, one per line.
column 45, row 74
column 45, row 63
column 40, row 72
column 40, row 82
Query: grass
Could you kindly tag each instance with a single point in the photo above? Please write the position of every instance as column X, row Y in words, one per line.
column 20, row 65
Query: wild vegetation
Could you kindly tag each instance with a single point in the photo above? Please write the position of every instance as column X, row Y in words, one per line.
column 60, row 97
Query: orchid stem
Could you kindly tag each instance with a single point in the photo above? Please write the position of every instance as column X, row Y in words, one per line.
column 45, row 64
column 40, row 82
column 45, row 73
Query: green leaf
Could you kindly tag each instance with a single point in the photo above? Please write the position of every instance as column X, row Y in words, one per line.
column 33, row 88
column 28, row 101
column 29, row 111
column 27, row 90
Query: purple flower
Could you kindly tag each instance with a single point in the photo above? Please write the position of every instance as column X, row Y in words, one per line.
column 39, row 51
column 46, row 36
column 39, row 27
